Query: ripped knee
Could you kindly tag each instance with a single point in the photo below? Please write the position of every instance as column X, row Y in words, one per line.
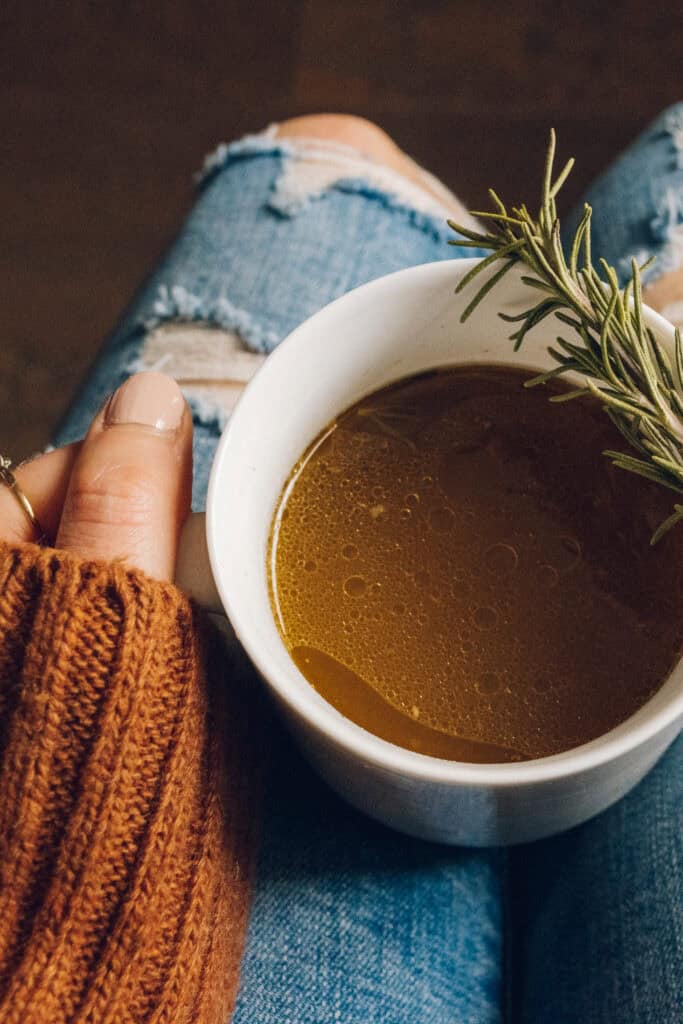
column 211, row 362
column 372, row 144
column 347, row 129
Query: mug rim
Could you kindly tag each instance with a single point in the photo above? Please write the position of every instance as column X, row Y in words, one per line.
column 295, row 691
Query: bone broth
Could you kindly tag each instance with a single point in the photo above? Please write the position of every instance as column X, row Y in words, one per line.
column 456, row 567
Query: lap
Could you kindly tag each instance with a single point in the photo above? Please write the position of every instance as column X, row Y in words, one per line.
column 598, row 912
column 278, row 230
column 352, row 922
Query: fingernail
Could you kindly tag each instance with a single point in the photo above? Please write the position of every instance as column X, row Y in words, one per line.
column 148, row 399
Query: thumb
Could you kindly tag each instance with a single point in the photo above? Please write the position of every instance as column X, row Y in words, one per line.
column 130, row 485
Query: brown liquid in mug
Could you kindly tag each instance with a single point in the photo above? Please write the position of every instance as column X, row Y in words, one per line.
column 456, row 567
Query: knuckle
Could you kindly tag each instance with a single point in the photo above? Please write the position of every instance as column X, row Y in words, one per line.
column 117, row 496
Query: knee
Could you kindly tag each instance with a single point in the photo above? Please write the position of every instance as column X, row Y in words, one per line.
column 373, row 143
column 347, row 129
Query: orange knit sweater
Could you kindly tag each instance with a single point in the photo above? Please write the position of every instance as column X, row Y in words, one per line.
column 125, row 841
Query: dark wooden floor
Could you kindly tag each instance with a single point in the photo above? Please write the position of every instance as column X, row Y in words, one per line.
column 106, row 109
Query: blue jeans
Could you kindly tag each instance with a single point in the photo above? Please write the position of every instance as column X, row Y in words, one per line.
column 352, row 923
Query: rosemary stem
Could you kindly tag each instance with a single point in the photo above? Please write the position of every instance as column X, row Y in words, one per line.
column 623, row 365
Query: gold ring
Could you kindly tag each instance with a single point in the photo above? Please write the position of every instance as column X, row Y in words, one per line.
column 8, row 478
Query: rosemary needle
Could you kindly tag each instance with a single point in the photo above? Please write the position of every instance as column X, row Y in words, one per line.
column 623, row 364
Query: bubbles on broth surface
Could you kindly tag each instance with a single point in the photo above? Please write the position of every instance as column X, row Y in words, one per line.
column 355, row 586
column 424, row 553
column 501, row 559
column 485, row 618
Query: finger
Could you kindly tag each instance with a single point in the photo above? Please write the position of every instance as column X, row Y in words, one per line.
column 129, row 491
column 44, row 481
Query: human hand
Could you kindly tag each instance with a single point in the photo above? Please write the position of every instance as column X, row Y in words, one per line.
column 124, row 491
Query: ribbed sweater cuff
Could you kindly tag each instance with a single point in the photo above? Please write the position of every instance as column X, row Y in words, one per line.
column 124, row 849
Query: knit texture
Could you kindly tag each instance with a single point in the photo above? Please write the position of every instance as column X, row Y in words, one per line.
column 125, row 807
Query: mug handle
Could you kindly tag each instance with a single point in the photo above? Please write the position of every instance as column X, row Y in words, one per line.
column 193, row 570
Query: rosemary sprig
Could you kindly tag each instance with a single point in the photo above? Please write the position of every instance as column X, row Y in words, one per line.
column 621, row 361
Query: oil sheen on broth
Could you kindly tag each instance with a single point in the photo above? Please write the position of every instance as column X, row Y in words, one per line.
column 456, row 567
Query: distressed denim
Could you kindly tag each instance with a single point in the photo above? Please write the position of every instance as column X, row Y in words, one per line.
column 350, row 922
column 638, row 201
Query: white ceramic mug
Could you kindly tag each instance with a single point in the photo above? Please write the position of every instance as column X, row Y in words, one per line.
column 388, row 329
